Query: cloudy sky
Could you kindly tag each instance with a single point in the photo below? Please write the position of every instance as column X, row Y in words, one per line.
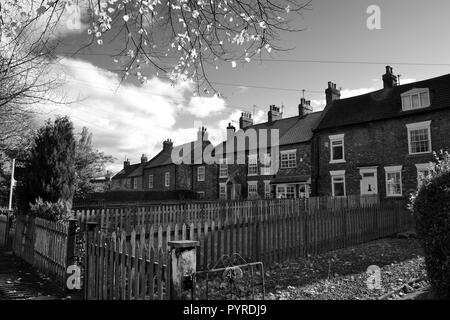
column 336, row 45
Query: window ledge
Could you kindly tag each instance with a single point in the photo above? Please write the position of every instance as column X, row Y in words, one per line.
column 420, row 153
column 252, row 174
column 337, row 161
column 394, row 196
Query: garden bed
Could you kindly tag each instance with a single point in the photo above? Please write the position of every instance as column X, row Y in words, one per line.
column 341, row 274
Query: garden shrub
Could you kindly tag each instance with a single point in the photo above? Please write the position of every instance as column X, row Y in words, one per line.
column 431, row 207
column 53, row 211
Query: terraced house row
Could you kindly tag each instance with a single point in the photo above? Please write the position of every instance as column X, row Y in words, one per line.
column 376, row 143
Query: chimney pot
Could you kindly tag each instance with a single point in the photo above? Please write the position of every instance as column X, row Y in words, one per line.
column 274, row 113
column 332, row 93
column 245, row 120
column 389, row 79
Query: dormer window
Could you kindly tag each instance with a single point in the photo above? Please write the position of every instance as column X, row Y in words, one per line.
column 415, row 99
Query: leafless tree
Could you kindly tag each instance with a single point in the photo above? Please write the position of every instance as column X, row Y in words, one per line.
column 178, row 38
column 25, row 80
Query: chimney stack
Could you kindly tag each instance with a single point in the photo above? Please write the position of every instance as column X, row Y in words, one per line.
column 202, row 135
column 304, row 107
column 167, row 144
column 126, row 163
column 143, row 158
column 245, row 120
column 274, row 113
column 389, row 79
column 331, row 93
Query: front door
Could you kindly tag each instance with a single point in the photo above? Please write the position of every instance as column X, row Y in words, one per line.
column 369, row 183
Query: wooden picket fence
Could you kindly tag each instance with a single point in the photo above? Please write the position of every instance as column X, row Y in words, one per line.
column 127, row 218
column 279, row 232
column 291, row 235
column 43, row 244
column 50, row 247
column 126, row 268
column 24, row 236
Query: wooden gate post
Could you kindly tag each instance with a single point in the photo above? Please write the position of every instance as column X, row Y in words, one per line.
column 183, row 263
column 89, row 234
column 73, row 274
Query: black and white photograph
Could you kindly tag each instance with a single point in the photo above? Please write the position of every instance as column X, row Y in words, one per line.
column 224, row 155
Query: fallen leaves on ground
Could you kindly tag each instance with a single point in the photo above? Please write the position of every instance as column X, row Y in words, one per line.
column 341, row 274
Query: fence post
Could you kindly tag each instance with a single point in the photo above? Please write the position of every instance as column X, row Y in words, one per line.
column 183, row 263
column 73, row 273
column 89, row 232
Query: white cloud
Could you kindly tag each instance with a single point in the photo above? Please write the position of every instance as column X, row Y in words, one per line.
column 318, row 105
column 128, row 120
column 203, row 107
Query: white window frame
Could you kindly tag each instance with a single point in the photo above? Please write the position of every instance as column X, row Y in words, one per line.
column 223, row 167
column 150, row 181
column 338, row 174
column 252, row 167
column 201, row 194
column 253, row 193
column 201, row 173
column 267, row 189
column 167, row 179
column 393, row 169
column 415, row 92
column 418, row 126
column 307, row 190
column 334, row 138
column 288, row 160
column 284, row 193
column 266, row 165
column 422, row 167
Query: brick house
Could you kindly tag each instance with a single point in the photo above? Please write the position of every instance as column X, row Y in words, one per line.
column 260, row 173
column 162, row 174
column 127, row 179
column 382, row 141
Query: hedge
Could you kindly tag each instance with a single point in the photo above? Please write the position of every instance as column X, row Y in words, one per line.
column 431, row 209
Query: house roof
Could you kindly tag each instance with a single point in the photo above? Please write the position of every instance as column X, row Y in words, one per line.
column 384, row 104
column 296, row 129
column 125, row 172
column 164, row 157
column 138, row 171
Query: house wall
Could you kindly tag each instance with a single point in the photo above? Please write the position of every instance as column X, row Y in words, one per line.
column 380, row 143
column 159, row 178
column 303, row 167
column 210, row 185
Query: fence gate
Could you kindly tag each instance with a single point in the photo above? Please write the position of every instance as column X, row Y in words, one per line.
column 124, row 267
column 232, row 278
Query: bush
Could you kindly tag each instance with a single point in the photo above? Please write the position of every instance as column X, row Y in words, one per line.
column 53, row 211
column 431, row 207
column 139, row 196
column 50, row 168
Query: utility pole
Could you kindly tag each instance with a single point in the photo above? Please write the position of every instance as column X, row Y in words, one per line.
column 12, row 184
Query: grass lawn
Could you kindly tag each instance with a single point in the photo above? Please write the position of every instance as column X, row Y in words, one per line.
column 341, row 274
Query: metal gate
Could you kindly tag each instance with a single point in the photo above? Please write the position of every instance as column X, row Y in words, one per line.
column 231, row 278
